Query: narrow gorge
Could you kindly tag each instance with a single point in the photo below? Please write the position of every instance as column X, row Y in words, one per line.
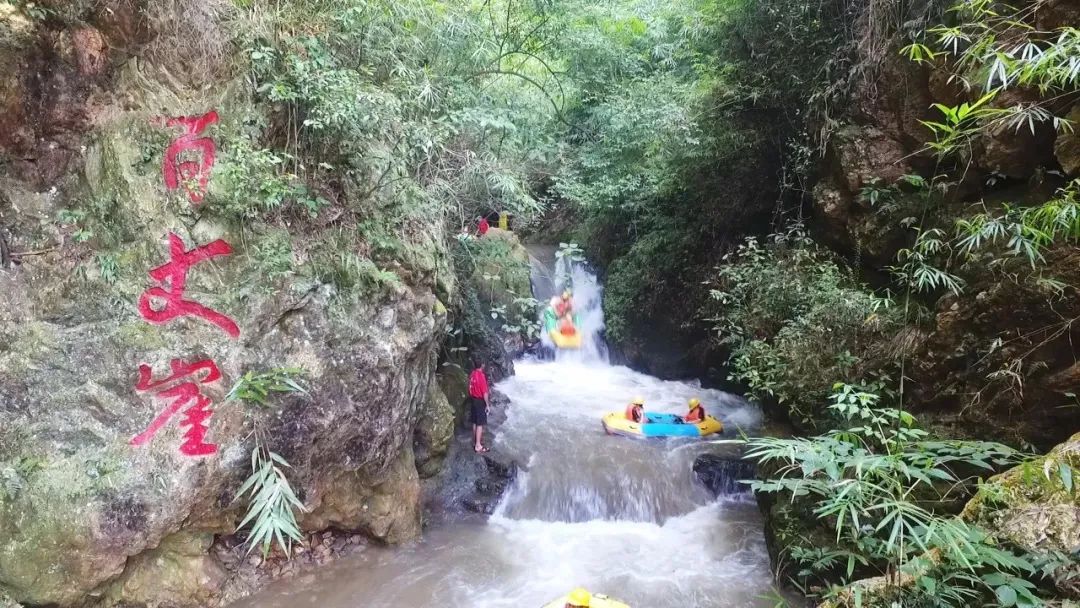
column 251, row 250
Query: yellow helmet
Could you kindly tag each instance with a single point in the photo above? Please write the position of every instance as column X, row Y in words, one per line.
column 638, row 401
column 694, row 403
column 566, row 294
column 580, row 597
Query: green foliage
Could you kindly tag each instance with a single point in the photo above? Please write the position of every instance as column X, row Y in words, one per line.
column 250, row 183
column 996, row 45
column 521, row 318
column 878, row 485
column 916, row 270
column 1025, row 232
column 959, row 125
column 108, row 267
column 272, row 503
column 411, row 99
column 639, row 280
column 792, row 318
column 256, row 387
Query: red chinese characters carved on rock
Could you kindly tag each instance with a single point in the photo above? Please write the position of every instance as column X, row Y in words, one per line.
column 193, row 175
column 170, row 301
column 184, row 396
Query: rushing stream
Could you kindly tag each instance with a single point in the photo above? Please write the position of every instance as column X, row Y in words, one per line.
column 615, row 515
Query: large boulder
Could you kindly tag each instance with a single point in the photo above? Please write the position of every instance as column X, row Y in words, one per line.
column 1036, row 507
column 130, row 523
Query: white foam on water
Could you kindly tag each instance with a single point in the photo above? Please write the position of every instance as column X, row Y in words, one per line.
column 616, row 515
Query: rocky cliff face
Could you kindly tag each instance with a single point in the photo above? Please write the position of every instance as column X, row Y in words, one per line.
column 999, row 360
column 120, row 453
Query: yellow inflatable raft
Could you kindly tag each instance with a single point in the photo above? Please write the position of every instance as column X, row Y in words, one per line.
column 660, row 425
column 571, row 339
column 597, row 601
column 562, row 340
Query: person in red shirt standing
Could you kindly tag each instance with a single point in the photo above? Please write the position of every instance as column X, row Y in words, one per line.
column 482, row 226
column 479, row 403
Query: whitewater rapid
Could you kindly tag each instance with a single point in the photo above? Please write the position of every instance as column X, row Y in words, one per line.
column 616, row 515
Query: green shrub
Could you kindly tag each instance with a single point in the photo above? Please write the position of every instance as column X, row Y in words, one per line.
column 878, row 485
column 794, row 320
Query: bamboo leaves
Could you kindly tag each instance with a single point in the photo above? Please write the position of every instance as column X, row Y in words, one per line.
column 256, row 387
column 272, row 503
column 875, row 485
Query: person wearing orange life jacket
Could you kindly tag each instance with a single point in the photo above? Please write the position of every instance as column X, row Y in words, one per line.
column 564, row 307
column 635, row 412
column 696, row 413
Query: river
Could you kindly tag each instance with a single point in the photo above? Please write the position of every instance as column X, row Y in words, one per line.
column 612, row 514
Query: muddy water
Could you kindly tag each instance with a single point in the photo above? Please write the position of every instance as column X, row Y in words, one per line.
column 615, row 515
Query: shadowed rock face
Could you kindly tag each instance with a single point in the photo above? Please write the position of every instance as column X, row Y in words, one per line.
column 119, row 524
column 723, row 473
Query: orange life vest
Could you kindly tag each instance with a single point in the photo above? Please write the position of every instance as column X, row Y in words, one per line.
column 633, row 412
column 695, row 415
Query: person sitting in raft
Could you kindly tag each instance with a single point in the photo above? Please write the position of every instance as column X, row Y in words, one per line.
column 578, row 598
column 635, row 412
column 696, row 413
column 564, row 307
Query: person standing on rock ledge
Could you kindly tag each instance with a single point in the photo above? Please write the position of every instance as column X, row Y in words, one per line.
column 479, row 403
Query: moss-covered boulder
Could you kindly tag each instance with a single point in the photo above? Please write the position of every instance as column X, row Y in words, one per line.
column 497, row 272
column 500, row 271
column 1036, row 507
column 178, row 572
column 434, row 432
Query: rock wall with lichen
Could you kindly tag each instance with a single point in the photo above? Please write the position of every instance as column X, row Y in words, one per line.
column 998, row 360
column 87, row 518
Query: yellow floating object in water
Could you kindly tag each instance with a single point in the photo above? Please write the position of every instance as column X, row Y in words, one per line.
column 660, row 425
column 562, row 340
column 598, row 601
column 558, row 338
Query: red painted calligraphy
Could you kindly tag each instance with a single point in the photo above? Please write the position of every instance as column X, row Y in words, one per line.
column 160, row 304
column 184, row 396
column 179, row 168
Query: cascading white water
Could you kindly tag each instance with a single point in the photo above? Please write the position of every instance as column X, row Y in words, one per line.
column 550, row 278
column 616, row 515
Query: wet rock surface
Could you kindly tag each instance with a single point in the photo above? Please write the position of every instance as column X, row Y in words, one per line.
column 472, row 484
column 489, row 489
column 723, row 473
column 249, row 571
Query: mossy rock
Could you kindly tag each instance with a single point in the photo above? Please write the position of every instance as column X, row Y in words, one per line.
column 178, row 572
column 454, row 383
column 433, row 434
column 500, row 271
column 1030, row 505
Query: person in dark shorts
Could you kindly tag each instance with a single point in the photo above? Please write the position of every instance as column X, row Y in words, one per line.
column 479, row 403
